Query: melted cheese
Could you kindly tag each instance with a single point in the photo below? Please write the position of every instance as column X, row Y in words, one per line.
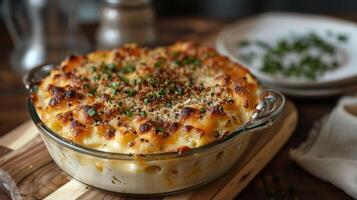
column 138, row 100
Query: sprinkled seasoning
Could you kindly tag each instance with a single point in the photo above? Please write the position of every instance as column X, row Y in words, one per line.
column 91, row 112
column 127, row 69
column 92, row 91
column 141, row 94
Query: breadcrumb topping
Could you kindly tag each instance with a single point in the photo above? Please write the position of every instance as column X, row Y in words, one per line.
column 140, row 100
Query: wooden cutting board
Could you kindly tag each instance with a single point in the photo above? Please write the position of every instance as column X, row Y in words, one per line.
column 24, row 157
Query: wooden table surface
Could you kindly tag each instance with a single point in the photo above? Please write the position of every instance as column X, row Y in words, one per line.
column 280, row 179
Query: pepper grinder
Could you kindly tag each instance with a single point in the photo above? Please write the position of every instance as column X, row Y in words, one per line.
column 125, row 21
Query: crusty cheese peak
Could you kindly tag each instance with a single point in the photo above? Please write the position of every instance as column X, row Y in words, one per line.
column 139, row 100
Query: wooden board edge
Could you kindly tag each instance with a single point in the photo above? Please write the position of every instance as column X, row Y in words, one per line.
column 260, row 160
column 71, row 190
column 27, row 131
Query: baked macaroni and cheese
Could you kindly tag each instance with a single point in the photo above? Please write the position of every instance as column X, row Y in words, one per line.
column 137, row 100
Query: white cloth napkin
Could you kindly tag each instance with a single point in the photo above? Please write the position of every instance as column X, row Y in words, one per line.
column 330, row 152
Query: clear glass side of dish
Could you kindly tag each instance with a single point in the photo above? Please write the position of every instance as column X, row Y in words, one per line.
column 144, row 177
column 153, row 174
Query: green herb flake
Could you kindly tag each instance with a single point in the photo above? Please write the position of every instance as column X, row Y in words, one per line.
column 177, row 62
column 307, row 65
column 111, row 66
column 96, row 78
column 129, row 113
column 127, row 69
column 92, row 91
column 159, row 129
column 114, row 84
column 157, row 64
column 130, row 93
column 243, row 43
column 168, row 104
column 162, row 92
column 86, row 85
column 180, row 91
column 146, row 101
column 197, row 62
column 202, row 110
column 143, row 114
column 175, row 54
column 93, row 69
column 124, row 79
column 137, row 81
column 114, row 91
column 342, row 37
column 152, row 81
column 109, row 77
column 91, row 112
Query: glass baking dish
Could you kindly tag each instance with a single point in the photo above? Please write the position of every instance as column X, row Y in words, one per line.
column 152, row 174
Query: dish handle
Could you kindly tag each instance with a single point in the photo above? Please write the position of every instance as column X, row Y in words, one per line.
column 35, row 75
column 270, row 106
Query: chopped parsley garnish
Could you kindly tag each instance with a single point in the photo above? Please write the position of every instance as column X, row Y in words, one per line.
column 162, row 92
column 159, row 129
column 180, row 91
column 137, row 81
column 175, row 54
column 342, row 37
column 86, row 85
column 129, row 113
column 96, row 78
column 124, row 79
column 202, row 110
column 168, row 104
column 243, row 43
column 130, row 93
column 149, row 98
column 157, row 64
column 92, row 91
column 111, row 66
column 196, row 62
column 152, row 81
column 299, row 55
column 91, row 112
column 127, row 69
column 114, row 91
column 143, row 113
column 114, row 84
column 146, row 101
column 189, row 60
column 109, row 77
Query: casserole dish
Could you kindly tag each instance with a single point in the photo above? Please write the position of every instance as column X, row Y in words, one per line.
column 152, row 173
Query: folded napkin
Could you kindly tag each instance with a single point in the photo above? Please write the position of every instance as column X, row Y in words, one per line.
column 330, row 152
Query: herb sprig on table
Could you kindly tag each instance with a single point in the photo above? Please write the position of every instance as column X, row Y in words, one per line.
column 304, row 55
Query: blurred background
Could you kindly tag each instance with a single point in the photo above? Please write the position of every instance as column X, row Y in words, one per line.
column 227, row 9
column 35, row 32
column 44, row 31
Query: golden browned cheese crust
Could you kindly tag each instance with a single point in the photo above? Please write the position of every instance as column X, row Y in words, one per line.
column 138, row 100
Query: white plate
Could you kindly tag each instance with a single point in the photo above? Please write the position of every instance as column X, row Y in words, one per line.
column 312, row 92
column 271, row 26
